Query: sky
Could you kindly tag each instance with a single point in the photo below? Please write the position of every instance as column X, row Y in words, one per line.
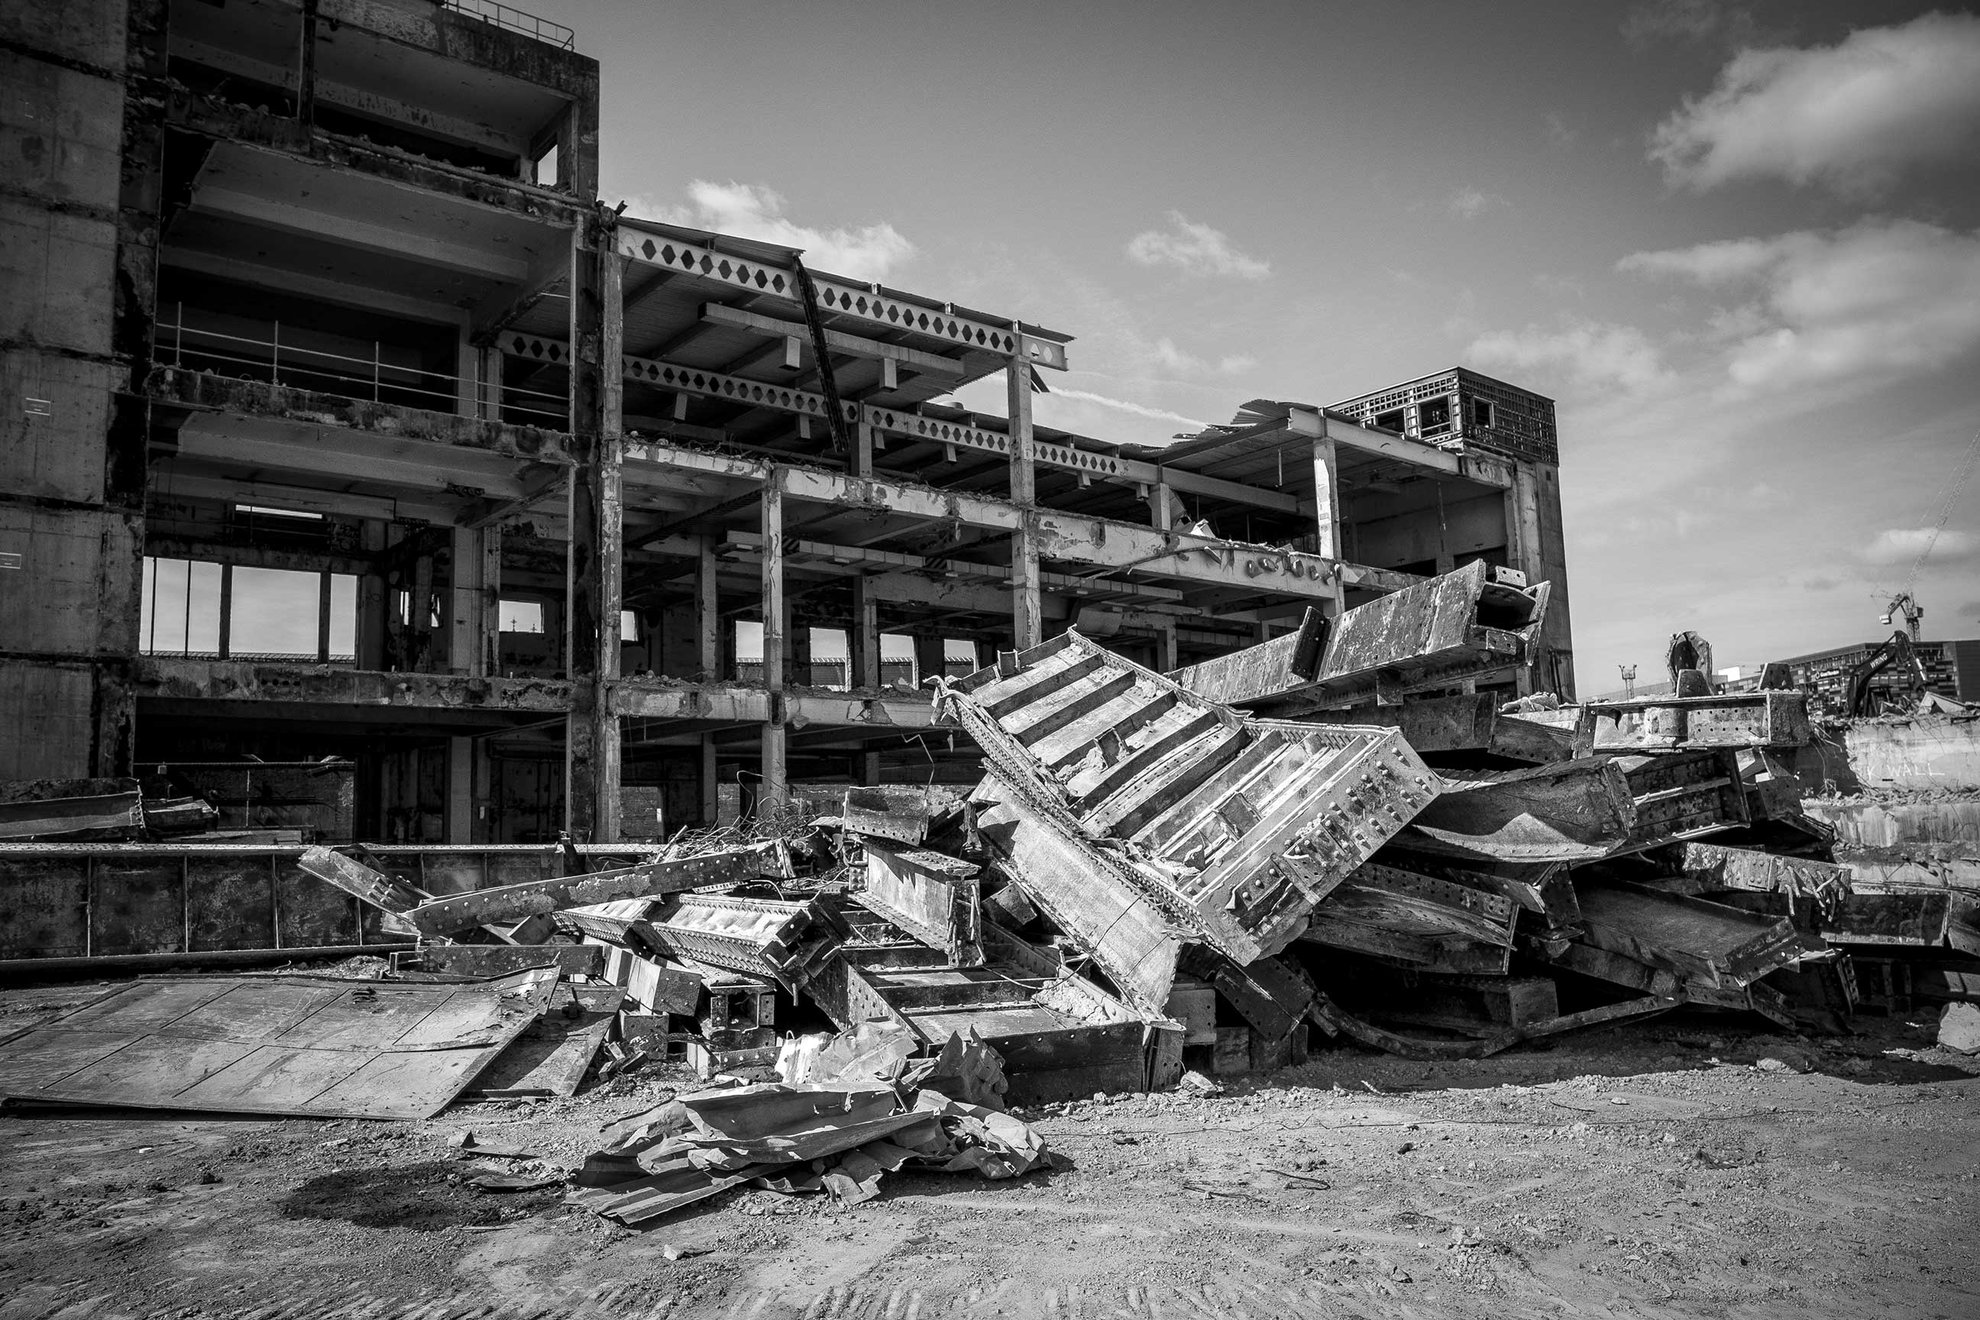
column 1736, row 242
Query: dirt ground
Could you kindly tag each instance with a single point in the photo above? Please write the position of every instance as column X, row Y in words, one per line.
column 1680, row 1167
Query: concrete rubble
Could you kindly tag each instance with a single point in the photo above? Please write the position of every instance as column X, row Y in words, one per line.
column 1149, row 888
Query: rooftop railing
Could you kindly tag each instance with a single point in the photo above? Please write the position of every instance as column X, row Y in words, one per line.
column 516, row 20
column 377, row 378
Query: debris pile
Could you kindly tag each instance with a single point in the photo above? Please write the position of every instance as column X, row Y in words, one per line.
column 1159, row 879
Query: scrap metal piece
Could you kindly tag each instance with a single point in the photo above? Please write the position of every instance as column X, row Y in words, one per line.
column 1683, row 795
column 1708, row 867
column 1573, row 811
column 762, row 937
column 389, row 894
column 1708, row 943
column 1451, row 627
column 1233, row 826
column 292, row 1045
column 1089, row 895
column 1671, row 723
column 1464, row 722
column 897, row 812
column 500, row 959
column 930, row 895
column 54, row 809
column 444, row 916
column 1419, row 920
column 1336, row 1020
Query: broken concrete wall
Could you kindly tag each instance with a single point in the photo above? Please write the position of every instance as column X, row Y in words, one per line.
column 81, row 129
column 1918, row 754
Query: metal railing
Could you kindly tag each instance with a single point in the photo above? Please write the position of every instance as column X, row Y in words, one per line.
column 516, row 20
column 294, row 366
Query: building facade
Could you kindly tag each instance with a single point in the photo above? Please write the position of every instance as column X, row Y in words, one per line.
column 1952, row 669
column 346, row 426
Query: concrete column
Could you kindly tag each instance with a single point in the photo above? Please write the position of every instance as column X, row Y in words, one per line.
column 860, row 464
column 707, row 614
column 775, row 790
column 1027, row 609
column 1165, row 650
column 594, row 561
column 373, row 601
column 930, row 657
column 1534, row 544
column 797, row 651
column 1327, row 508
column 711, row 798
column 473, row 609
column 491, row 384
column 863, row 638
column 461, row 796
column 467, row 374
column 226, row 610
column 323, row 618
column 1165, row 507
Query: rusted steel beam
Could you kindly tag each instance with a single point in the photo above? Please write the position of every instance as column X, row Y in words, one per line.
column 1464, row 722
column 1704, row 942
column 1416, row 919
column 1658, row 724
column 1433, row 633
column 1234, row 827
column 1573, row 811
column 445, row 916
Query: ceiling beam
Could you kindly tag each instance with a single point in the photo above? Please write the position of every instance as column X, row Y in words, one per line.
column 837, row 341
column 363, row 235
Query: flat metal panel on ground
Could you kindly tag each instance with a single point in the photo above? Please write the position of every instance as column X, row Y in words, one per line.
column 275, row 1045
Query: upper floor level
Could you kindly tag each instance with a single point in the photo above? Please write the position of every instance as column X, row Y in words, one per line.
column 474, row 84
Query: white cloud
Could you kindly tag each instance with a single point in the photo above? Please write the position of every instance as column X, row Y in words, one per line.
column 1880, row 301
column 1850, row 115
column 1167, row 357
column 1902, row 545
column 1469, row 203
column 1126, row 406
column 1588, row 355
column 749, row 210
column 1194, row 249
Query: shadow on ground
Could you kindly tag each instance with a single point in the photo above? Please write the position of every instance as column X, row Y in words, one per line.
column 423, row 1197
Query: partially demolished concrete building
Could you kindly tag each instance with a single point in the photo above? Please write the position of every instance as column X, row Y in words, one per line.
column 318, row 301
column 314, row 313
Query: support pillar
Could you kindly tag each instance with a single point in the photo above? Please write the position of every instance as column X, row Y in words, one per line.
column 1327, row 509
column 460, row 791
column 775, row 791
column 1027, row 609
column 930, row 657
column 1165, row 650
column 474, row 603
column 1165, row 508
column 373, row 601
column 710, row 782
column 860, row 464
column 707, row 614
column 594, row 562
column 863, row 638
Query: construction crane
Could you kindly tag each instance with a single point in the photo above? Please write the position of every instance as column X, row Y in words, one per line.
column 1905, row 605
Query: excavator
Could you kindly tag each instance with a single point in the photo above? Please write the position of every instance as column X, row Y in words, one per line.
column 1901, row 651
column 1859, row 695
